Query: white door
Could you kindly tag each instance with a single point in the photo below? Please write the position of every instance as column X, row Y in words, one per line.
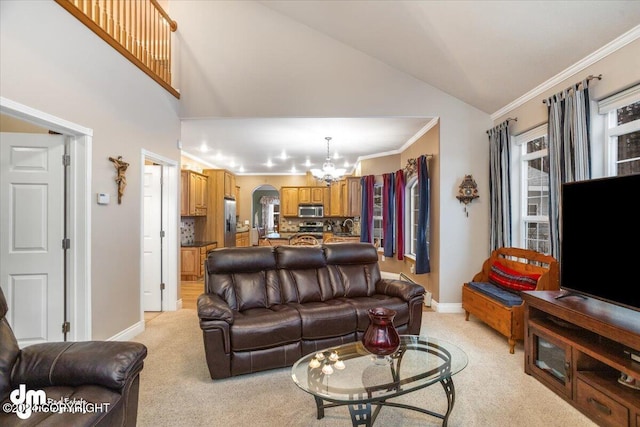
column 32, row 230
column 152, row 227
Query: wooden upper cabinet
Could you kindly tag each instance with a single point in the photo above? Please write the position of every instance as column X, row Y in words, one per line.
column 337, row 202
column 326, row 200
column 317, row 195
column 354, row 196
column 289, row 201
column 311, row 195
column 237, row 196
column 304, row 195
column 194, row 187
column 229, row 184
column 184, row 193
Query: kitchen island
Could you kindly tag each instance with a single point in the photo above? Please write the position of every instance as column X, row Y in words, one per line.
column 192, row 256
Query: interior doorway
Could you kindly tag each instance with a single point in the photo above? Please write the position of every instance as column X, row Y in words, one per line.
column 159, row 285
column 77, row 259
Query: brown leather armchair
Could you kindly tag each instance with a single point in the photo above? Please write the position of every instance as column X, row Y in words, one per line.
column 92, row 383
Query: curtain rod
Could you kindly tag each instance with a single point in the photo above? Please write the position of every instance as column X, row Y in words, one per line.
column 589, row 77
column 509, row 119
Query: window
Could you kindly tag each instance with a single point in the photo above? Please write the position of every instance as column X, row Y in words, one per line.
column 530, row 187
column 622, row 132
column 378, row 229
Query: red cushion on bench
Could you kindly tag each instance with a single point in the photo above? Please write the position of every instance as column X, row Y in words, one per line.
column 512, row 279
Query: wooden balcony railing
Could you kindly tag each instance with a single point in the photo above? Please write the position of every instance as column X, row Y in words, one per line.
column 138, row 29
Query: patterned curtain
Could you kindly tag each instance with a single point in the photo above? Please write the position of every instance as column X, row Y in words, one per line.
column 423, row 264
column 366, row 222
column 388, row 210
column 266, row 201
column 400, row 213
column 500, row 186
column 569, row 149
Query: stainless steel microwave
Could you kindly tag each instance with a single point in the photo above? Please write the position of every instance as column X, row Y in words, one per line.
column 310, row 211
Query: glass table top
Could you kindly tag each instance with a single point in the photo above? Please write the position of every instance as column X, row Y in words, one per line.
column 349, row 373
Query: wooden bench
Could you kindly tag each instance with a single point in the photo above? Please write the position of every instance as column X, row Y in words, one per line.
column 508, row 318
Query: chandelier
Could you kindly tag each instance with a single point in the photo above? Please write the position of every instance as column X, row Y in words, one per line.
column 328, row 173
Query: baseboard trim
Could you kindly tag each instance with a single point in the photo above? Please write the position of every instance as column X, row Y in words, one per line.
column 129, row 333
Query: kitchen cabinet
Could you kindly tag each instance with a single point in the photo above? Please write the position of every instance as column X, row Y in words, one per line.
column 289, row 201
column 242, row 239
column 311, row 195
column 326, row 200
column 222, row 184
column 354, row 197
column 236, row 194
column 192, row 260
column 229, row 184
column 194, row 189
column 338, row 198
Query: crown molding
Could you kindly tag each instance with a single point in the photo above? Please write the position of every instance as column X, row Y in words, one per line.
column 589, row 60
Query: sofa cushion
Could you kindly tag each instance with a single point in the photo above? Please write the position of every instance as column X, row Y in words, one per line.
column 502, row 295
column 244, row 277
column 302, row 271
column 509, row 278
column 259, row 328
column 363, row 304
column 326, row 319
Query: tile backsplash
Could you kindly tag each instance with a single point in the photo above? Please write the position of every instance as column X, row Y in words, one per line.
column 187, row 230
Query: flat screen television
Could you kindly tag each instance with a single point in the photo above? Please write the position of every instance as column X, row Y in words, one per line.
column 600, row 239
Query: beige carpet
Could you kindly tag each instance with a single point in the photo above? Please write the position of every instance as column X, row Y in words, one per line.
column 493, row 390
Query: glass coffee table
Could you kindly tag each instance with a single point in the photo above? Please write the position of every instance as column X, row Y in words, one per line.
column 349, row 375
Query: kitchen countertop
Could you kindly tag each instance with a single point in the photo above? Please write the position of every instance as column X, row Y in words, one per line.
column 198, row 244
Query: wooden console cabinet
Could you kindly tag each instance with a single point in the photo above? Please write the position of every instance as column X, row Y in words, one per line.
column 578, row 347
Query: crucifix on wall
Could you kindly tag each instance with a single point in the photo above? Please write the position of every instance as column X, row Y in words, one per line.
column 121, row 167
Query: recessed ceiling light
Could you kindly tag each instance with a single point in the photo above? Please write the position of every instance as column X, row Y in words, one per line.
column 203, row 148
column 269, row 163
column 241, row 169
column 283, row 156
column 307, row 163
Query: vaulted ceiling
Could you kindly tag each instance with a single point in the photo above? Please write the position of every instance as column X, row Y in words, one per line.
column 262, row 78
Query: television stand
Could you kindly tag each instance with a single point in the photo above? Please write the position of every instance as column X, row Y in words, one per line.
column 566, row 294
column 579, row 348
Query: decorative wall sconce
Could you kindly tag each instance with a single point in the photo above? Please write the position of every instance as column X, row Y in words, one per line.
column 121, row 167
column 467, row 191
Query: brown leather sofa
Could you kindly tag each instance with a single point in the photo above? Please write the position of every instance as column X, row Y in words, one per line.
column 98, row 379
column 265, row 307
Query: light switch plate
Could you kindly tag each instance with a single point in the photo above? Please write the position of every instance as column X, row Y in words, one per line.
column 103, row 198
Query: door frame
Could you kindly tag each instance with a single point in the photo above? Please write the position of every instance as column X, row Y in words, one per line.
column 170, row 225
column 78, row 219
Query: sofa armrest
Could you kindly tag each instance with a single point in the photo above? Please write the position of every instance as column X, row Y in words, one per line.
column 110, row 364
column 212, row 307
column 399, row 288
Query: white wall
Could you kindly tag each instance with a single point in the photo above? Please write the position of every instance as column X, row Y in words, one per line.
column 51, row 62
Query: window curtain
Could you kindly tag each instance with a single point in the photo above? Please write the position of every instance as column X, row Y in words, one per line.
column 266, row 201
column 500, row 186
column 388, row 210
column 423, row 264
column 366, row 222
column 569, row 149
column 400, row 192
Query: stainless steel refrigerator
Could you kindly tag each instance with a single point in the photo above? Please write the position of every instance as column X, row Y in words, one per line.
column 229, row 223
